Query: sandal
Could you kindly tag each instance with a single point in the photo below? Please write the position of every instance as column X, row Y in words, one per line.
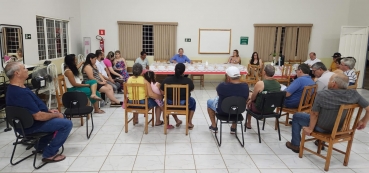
column 170, row 127
column 96, row 98
column 161, row 123
column 116, row 104
column 178, row 123
column 100, row 112
column 191, row 126
column 52, row 160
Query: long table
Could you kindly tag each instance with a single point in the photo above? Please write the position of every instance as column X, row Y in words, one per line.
column 168, row 69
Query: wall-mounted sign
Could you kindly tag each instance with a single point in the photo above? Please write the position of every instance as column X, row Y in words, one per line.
column 27, row 36
column 244, row 40
column 101, row 31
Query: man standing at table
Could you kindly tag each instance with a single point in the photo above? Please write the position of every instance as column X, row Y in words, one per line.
column 180, row 58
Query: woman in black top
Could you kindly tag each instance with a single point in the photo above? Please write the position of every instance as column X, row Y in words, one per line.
column 255, row 60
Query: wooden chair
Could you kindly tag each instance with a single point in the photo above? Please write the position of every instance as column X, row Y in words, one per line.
column 306, row 103
column 62, row 88
column 286, row 74
column 135, row 106
column 253, row 74
column 176, row 108
column 201, row 76
column 357, row 79
column 342, row 133
column 294, row 61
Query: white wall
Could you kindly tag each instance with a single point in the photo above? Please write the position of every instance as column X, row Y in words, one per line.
column 23, row 13
column 239, row 15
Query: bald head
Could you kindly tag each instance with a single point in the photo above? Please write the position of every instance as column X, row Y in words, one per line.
column 341, row 80
column 11, row 68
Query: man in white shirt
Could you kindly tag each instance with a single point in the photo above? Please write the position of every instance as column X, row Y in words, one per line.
column 323, row 75
column 347, row 66
column 311, row 62
column 103, row 70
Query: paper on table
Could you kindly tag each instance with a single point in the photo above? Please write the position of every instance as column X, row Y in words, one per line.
column 283, row 87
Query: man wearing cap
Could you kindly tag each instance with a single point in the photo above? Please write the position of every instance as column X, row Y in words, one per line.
column 232, row 87
column 311, row 61
column 334, row 64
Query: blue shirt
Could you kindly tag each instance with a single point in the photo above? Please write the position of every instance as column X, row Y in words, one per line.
column 225, row 90
column 180, row 59
column 296, row 88
column 25, row 98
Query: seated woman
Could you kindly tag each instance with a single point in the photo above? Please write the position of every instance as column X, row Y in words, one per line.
column 73, row 82
column 19, row 54
column 109, row 63
column 268, row 84
column 90, row 72
column 120, row 65
column 178, row 78
column 235, row 59
column 137, row 78
column 255, row 60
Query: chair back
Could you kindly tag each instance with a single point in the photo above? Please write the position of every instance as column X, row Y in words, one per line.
column 176, row 90
column 357, row 79
column 73, row 100
column 234, row 105
column 254, row 72
column 294, row 61
column 18, row 117
column 132, row 90
column 307, row 98
column 272, row 100
column 60, row 89
column 343, row 125
column 286, row 71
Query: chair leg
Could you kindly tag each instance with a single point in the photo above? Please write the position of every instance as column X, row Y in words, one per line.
column 258, row 130
column 287, row 118
column 243, row 141
column 15, row 146
column 302, row 145
column 264, row 123
column 348, row 152
column 319, row 150
column 279, row 131
column 329, row 155
column 92, row 126
column 126, row 121
column 152, row 117
column 82, row 121
column 146, row 123
column 187, row 123
column 35, row 156
column 246, row 122
column 165, row 123
column 219, row 141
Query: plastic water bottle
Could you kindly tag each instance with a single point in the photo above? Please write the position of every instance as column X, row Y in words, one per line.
column 206, row 63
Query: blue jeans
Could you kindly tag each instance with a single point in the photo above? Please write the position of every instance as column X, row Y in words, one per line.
column 151, row 103
column 300, row 120
column 191, row 103
column 352, row 83
column 213, row 103
column 50, row 144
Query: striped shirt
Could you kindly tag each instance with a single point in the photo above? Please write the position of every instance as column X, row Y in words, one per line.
column 352, row 76
column 328, row 102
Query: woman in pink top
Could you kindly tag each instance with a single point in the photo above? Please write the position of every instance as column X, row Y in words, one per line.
column 155, row 86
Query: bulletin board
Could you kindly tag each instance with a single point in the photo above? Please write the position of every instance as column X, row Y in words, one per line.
column 214, row 41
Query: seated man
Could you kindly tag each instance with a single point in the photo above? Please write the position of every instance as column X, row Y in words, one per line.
column 45, row 120
column 178, row 78
column 180, row 58
column 100, row 64
column 325, row 109
column 294, row 91
column 233, row 87
column 347, row 66
column 323, row 75
column 268, row 84
column 311, row 61
column 334, row 65
column 143, row 60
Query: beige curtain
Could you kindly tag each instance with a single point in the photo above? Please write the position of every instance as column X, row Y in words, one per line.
column 303, row 43
column 130, row 40
column 278, row 41
column 20, row 38
column 290, row 43
column 4, row 42
column 165, row 40
column 264, row 42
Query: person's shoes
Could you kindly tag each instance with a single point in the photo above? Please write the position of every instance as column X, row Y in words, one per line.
column 290, row 122
column 317, row 143
column 213, row 129
column 295, row 149
column 233, row 130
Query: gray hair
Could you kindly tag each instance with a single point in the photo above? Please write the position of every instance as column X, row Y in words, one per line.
column 269, row 70
column 11, row 68
column 341, row 80
column 137, row 69
column 349, row 62
column 319, row 65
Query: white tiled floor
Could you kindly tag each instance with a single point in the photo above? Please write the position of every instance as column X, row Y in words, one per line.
column 110, row 149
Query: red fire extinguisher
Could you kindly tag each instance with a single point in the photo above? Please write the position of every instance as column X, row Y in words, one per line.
column 101, row 42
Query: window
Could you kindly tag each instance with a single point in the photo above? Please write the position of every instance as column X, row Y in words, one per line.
column 148, row 39
column 53, row 43
column 282, row 34
column 12, row 37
